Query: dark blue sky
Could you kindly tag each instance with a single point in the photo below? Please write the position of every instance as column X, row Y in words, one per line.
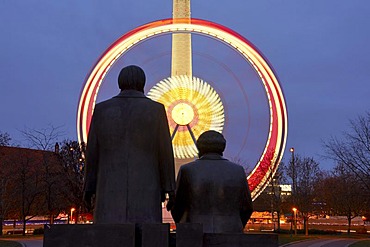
column 319, row 49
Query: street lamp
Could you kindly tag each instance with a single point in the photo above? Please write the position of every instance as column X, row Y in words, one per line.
column 293, row 174
column 72, row 210
column 295, row 221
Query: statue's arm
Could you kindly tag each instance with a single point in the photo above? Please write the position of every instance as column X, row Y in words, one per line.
column 178, row 210
column 166, row 159
column 91, row 165
column 247, row 206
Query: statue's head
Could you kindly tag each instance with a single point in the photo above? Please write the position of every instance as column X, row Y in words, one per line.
column 211, row 142
column 132, row 77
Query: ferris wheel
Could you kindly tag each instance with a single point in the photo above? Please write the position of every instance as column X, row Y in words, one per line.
column 231, row 89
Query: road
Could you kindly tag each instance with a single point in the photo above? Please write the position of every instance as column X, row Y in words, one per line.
column 340, row 242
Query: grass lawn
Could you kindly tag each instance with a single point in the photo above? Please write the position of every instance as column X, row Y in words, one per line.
column 6, row 243
column 287, row 238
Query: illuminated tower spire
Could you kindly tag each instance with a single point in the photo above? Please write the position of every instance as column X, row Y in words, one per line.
column 181, row 42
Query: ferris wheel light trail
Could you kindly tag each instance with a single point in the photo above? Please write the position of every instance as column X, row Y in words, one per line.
column 192, row 106
column 275, row 144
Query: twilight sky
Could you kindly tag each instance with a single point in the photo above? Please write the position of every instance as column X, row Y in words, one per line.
column 319, row 49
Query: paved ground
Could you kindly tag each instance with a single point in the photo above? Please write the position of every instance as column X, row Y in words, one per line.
column 310, row 243
column 37, row 242
column 325, row 243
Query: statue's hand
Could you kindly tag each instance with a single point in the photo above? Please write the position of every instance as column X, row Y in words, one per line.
column 171, row 201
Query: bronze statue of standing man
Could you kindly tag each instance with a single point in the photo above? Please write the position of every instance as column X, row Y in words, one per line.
column 129, row 157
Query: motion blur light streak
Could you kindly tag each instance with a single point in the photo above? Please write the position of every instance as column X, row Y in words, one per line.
column 275, row 144
column 189, row 102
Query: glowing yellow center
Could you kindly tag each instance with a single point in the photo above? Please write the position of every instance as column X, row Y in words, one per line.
column 189, row 101
column 182, row 114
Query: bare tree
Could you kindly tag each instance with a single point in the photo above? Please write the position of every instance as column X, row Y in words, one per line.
column 52, row 175
column 72, row 155
column 27, row 184
column 42, row 139
column 4, row 180
column 271, row 199
column 7, row 192
column 305, row 172
column 5, row 139
column 353, row 150
column 343, row 194
column 277, row 198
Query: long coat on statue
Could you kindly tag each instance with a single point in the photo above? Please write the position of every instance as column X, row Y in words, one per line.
column 213, row 191
column 129, row 159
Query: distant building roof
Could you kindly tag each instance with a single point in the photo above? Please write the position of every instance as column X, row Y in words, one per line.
column 14, row 154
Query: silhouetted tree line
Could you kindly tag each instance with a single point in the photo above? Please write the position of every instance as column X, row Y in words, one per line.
column 344, row 190
column 40, row 182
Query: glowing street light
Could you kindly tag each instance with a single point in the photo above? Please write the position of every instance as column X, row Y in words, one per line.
column 72, row 210
column 295, row 221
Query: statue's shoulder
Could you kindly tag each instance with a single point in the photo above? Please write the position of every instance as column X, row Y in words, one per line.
column 236, row 168
column 234, row 165
column 190, row 165
column 105, row 102
column 156, row 106
column 154, row 102
column 103, row 105
column 100, row 105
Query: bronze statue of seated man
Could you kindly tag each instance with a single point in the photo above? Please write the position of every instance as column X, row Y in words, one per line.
column 212, row 190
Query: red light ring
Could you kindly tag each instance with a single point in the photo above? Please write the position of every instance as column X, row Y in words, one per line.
column 275, row 145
